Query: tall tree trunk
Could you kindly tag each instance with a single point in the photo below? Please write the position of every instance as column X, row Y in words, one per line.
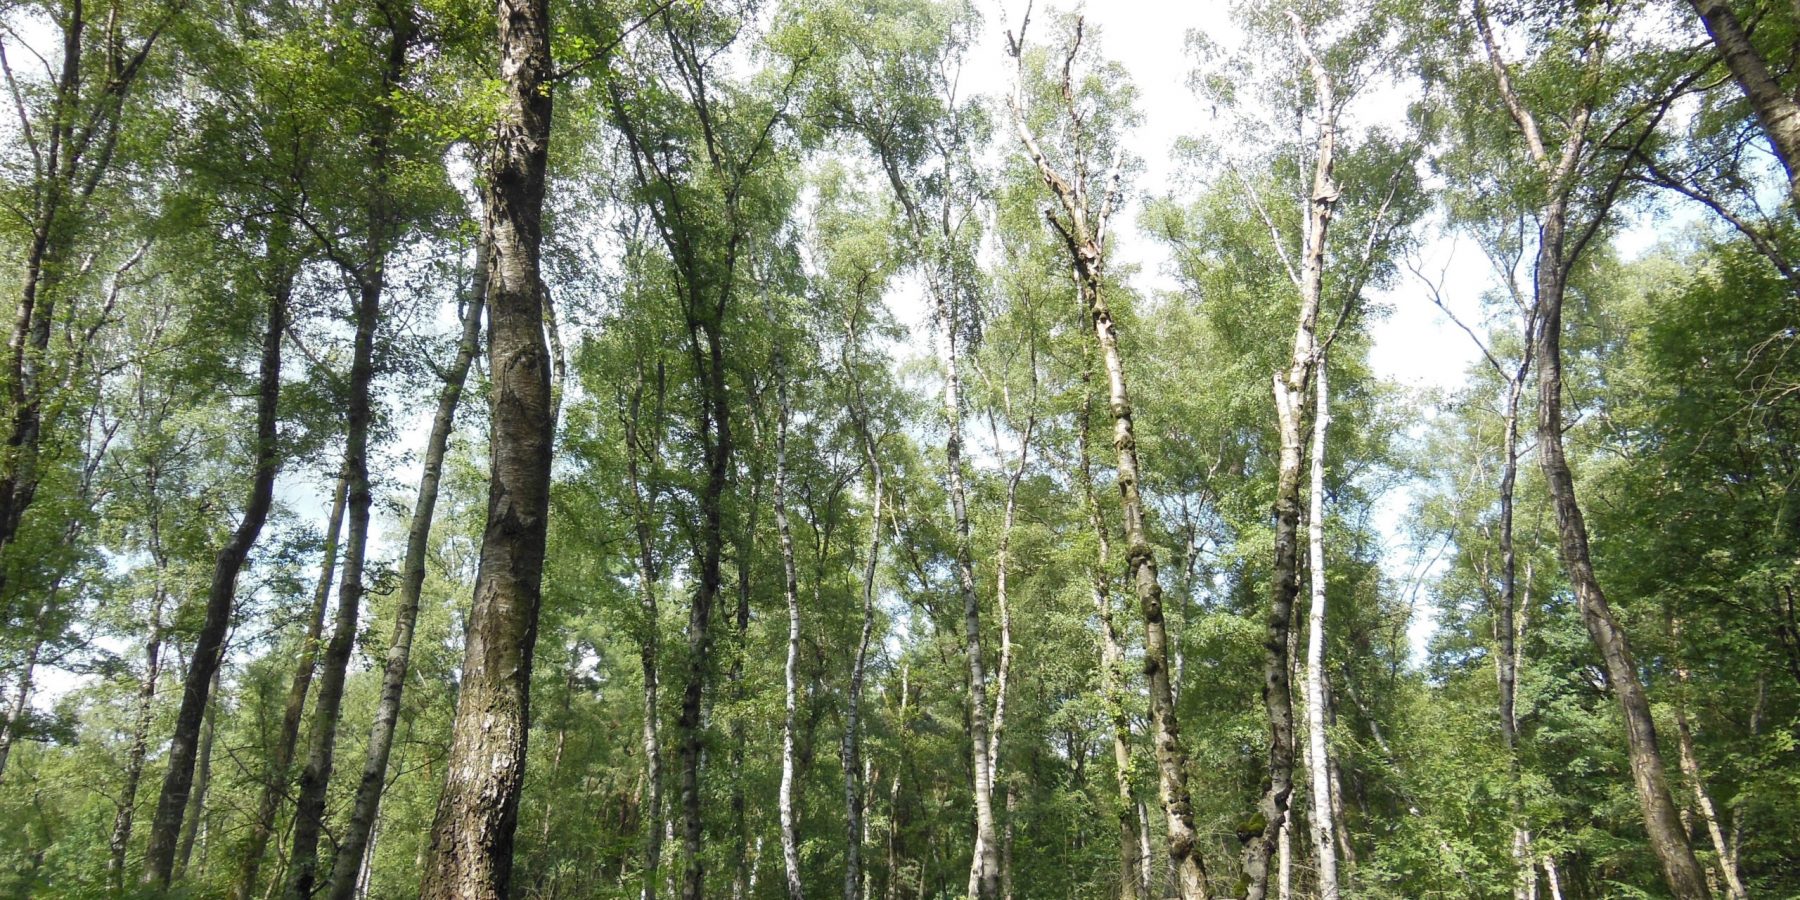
column 1290, row 388
column 209, row 646
column 1776, row 110
column 1323, row 808
column 354, row 843
column 855, row 780
column 1554, row 261
column 855, row 825
column 470, row 854
column 1001, row 559
column 315, row 777
column 1112, row 674
column 706, row 345
column 371, row 277
column 1507, row 628
column 1085, row 243
column 986, row 866
column 1662, row 823
column 276, row 779
column 790, row 839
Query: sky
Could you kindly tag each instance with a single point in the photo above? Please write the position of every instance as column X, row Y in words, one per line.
column 1413, row 344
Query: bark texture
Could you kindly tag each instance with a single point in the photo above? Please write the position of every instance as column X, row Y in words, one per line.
column 1776, row 109
column 1323, row 797
column 470, row 854
column 1083, row 228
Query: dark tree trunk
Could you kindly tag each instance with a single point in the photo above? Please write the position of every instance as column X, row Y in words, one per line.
column 315, row 777
column 470, row 855
column 204, row 663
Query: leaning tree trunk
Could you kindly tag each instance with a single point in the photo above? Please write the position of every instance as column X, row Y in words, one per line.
column 281, row 756
column 191, row 825
column 354, row 843
column 1323, row 809
column 204, row 663
column 1084, row 239
column 1690, row 768
column 470, row 854
column 1662, row 823
column 1776, row 110
column 1141, row 560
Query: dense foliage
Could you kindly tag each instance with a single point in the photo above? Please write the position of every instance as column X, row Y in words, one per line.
column 900, row 540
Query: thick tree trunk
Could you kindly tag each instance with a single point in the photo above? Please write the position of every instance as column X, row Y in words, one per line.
column 1323, row 807
column 354, row 843
column 204, row 662
column 276, row 779
column 470, row 855
column 1662, row 823
column 1775, row 109
column 790, row 838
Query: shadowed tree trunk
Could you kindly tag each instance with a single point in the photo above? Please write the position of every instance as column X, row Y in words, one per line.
column 470, row 855
column 204, row 662
column 370, row 276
